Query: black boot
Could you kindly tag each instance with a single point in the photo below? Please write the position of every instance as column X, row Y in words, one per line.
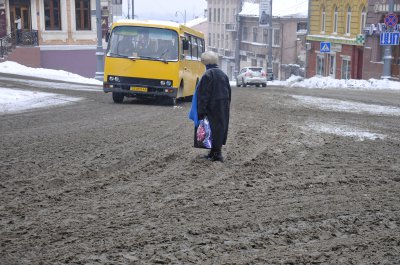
column 217, row 156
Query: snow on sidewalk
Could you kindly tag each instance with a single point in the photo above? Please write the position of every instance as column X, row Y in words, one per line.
column 13, row 100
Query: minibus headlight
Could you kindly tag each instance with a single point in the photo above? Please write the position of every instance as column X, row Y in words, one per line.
column 168, row 83
column 162, row 83
column 111, row 78
column 116, row 79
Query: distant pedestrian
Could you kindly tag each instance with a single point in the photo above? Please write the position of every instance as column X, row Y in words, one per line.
column 212, row 100
column 18, row 25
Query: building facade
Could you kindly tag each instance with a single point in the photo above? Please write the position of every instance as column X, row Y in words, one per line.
column 235, row 34
column 288, row 43
column 335, row 44
column 373, row 51
column 223, row 31
column 66, row 32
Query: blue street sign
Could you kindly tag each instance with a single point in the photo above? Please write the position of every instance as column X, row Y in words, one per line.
column 390, row 38
column 325, row 47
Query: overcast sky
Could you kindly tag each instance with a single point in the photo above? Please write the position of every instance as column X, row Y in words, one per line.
column 166, row 9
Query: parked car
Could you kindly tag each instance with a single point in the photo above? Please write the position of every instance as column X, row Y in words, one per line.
column 252, row 76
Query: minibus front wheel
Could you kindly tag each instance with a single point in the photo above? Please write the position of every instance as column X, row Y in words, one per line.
column 118, row 97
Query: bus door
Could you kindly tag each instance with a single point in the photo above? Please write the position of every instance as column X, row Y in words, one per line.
column 189, row 65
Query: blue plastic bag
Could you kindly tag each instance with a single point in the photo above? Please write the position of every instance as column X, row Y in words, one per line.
column 203, row 134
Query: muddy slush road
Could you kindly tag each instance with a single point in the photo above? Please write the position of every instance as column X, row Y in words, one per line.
column 101, row 183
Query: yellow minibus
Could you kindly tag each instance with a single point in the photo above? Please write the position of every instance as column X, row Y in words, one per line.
column 152, row 59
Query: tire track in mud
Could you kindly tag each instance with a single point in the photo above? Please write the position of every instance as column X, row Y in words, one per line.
column 131, row 189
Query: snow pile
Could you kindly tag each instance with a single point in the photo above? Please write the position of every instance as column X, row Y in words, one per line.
column 347, row 131
column 329, row 82
column 347, row 106
column 13, row 100
column 10, row 67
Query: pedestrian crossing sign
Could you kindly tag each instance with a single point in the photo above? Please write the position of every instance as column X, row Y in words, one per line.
column 360, row 39
column 325, row 47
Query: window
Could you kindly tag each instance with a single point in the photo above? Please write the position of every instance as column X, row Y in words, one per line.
column 320, row 64
column 335, row 20
column 323, row 16
column 188, row 52
column 200, row 47
column 348, row 21
column 214, row 40
column 227, row 15
column 219, row 15
column 255, row 34
column 52, row 15
column 277, row 38
column 82, row 14
column 218, row 40
column 332, row 65
column 265, row 35
column 195, row 51
column 253, row 62
column 244, row 34
column 209, row 14
column 346, row 69
column 117, row 2
column 209, row 39
column 363, row 19
column 215, row 15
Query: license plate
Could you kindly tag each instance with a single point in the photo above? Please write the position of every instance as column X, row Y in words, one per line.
column 140, row 89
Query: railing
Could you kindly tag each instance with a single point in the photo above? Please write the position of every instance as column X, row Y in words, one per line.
column 19, row 38
column 7, row 44
column 28, row 38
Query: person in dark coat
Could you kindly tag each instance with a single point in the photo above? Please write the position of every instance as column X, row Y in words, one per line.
column 213, row 100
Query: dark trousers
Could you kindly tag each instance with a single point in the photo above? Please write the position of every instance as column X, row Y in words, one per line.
column 18, row 36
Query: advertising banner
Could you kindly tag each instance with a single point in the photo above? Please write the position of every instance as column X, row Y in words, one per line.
column 265, row 13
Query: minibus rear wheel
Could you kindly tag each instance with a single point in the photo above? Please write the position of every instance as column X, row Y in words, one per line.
column 117, row 97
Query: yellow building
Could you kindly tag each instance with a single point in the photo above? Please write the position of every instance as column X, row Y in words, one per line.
column 336, row 41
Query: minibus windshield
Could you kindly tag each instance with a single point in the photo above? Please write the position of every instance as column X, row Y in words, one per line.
column 147, row 43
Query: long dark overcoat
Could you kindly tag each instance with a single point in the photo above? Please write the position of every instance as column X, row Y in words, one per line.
column 213, row 100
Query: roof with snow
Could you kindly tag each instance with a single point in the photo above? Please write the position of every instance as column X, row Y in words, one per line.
column 297, row 8
column 196, row 21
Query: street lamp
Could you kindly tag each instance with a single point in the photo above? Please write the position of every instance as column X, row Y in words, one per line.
column 183, row 15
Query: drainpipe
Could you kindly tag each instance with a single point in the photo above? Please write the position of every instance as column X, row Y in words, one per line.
column 387, row 58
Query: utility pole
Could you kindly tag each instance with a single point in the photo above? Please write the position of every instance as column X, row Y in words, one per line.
column 308, row 33
column 133, row 9
column 387, row 58
column 99, row 50
column 270, row 32
column 183, row 15
column 238, row 37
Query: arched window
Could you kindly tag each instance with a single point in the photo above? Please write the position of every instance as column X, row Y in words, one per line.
column 335, row 19
column 348, row 21
column 363, row 20
column 323, row 16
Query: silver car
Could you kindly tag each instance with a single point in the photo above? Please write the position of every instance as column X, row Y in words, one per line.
column 252, row 76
